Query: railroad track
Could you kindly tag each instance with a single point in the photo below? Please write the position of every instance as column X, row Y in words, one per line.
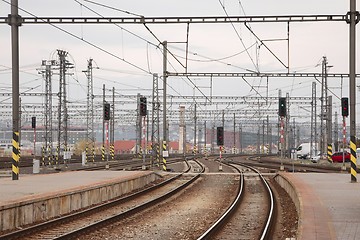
column 77, row 224
column 195, row 212
column 241, row 212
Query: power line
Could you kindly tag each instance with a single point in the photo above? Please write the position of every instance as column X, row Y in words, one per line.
column 83, row 40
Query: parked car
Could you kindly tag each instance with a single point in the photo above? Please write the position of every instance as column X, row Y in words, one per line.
column 338, row 157
column 315, row 158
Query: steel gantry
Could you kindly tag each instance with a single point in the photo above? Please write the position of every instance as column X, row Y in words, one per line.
column 177, row 20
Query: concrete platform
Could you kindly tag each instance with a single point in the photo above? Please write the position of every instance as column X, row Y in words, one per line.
column 329, row 204
column 36, row 198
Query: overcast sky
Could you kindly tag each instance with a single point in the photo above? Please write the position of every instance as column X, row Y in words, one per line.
column 212, row 47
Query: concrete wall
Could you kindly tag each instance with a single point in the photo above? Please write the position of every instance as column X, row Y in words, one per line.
column 291, row 190
column 37, row 210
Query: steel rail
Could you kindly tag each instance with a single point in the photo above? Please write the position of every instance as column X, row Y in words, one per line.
column 266, row 229
column 118, row 217
column 217, row 225
column 19, row 234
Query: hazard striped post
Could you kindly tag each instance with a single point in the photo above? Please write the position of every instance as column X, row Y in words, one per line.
column 329, row 152
column 103, row 152
column 49, row 155
column 42, row 155
column 158, row 155
column 353, row 158
column 93, row 152
column 164, row 155
column 112, row 147
column 87, row 152
column 57, row 155
column 15, row 156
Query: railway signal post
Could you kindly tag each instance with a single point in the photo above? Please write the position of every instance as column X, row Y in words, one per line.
column 344, row 113
column 143, row 113
column 220, row 142
column 282, row 115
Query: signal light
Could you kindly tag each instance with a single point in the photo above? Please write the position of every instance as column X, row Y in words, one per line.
column 345, row 106
column 143, row 111
column 220, row 136
column 33, row 122
column 106, row 111
column 282, row 107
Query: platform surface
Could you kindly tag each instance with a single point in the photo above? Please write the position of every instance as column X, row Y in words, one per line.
column 29, row 186
column 331, row 205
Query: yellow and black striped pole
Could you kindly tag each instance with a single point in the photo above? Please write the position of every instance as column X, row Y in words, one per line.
column 49, row 155
column 112, row 152
column 353, row 158
column 103, row 152
column 158, row 155
column 15, row 156
column 93, row 153
column 42, row 155
column 57, row 155
column 329, row 153
column 86, row 152
column 164, row 159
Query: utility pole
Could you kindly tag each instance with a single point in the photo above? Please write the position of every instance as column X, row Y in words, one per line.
column 164, row 145
column 181, row 131
column 240, row 138
column 324, row 106
column 155, row 122
column 47, row 73
column 263, row 137
column 103, row 127
column 234, row 139
column 336, row 132
column 62, row 109
column 15, row 22
column 205, row 150
column 112, row 127
column 329, row 127
column 90, row 139
column 195, row 129
column 353, row 20
column 313, row 124
column 138, row 128
column 268, row 135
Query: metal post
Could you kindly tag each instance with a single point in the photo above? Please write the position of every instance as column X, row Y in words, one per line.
column 343, row 143
column 195, row 129
column 354, row 18
column 103, row 128
column 205, row 150
column 15, row 22
column 112, row 127
column 164, row 102
column 234, row 136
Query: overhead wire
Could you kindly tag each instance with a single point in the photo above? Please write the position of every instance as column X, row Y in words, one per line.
column 127, row 12
column 238, row 35
column 83, row 40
